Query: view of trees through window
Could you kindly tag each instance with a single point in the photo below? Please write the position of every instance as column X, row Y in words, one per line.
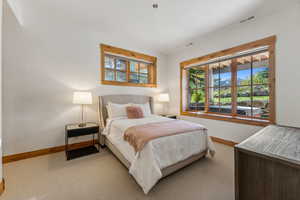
column 197, row 88
column 248, row 76
column 220, row 87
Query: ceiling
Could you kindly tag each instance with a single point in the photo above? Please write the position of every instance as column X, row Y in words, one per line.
column 173, row 25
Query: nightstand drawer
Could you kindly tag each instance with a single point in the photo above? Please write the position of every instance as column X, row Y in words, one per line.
column 82, row 131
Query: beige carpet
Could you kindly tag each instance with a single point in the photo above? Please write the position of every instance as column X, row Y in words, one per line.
column 101, row 176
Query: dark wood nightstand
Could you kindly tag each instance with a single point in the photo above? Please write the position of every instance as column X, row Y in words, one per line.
column 73, row 130
column 169, row 116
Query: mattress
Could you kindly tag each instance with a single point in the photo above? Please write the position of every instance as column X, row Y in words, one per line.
column 158, row 154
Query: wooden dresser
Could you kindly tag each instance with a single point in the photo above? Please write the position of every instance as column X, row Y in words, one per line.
column 267, row 165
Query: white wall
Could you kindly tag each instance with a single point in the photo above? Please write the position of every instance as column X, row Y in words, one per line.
column 286, row 25
column 41, row 69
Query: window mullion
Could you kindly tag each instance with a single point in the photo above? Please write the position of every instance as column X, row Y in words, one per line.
column 127, row 70
column 148, row 75
column 115, row 69
column 189, row 89
column 219, row 77
column 138, row 72
column 206, row 88
column 251, row 87
column 234, row 86
column 272, row 82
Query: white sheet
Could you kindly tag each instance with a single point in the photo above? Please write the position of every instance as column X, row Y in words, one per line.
column 157, row 154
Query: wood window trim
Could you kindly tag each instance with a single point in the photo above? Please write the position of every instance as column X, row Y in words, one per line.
column 270, row 42
column 228, row 118
column 131, row 54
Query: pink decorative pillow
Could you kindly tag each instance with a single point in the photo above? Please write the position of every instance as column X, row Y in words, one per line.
column 134, row 112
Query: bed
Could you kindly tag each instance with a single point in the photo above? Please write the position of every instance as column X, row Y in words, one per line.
column 160, row 157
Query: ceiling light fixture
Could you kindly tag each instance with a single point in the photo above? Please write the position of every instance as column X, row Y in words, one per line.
column 155, row 5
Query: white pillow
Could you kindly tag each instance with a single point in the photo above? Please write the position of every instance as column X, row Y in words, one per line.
column 116, row 110
column 145, row 108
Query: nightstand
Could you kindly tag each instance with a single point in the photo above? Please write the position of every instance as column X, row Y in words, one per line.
column 73, row 130
column 169, row 116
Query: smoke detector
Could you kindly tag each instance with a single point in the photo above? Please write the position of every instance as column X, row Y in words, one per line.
column 189, row 44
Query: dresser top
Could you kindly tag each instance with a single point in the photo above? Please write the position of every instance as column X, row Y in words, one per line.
column 275, row 141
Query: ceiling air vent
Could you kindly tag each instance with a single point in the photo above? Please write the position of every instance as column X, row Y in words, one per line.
column 247, row 19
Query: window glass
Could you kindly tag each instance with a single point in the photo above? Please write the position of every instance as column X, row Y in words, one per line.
column 244, row 100
column 143, row 78
column 121, row 64
column 197, row 99
column 214, row 105
column 252, row 86
column 261, row 100
column 198, row 96
column 121, row 76
column 133, row 78
column 134, row 66
column 197, row 89
column 225, row 73
column 197, row 78
column 225, row 100
column 220, row 87
column 109, row 75
column 143, row 68
column 260, row 68
column 116, row 70
column 214, row 75
column 109, row 62
column 244, row 70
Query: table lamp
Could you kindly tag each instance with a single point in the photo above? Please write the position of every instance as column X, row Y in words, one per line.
column 164, row 98
column 82, row 98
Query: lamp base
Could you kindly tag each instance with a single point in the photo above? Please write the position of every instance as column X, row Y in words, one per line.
column 82, row 125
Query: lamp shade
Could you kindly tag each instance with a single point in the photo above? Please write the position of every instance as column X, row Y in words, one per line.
column 164, row 97
column 82, row 98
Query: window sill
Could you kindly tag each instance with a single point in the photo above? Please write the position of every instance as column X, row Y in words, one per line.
column 234, row 119
column 116, row 83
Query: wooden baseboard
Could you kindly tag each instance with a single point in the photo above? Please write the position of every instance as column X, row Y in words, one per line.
column 31, row 154
column 2, row 186
column 222, row 141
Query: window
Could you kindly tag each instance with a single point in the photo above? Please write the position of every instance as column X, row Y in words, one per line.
column 197, row 89
column 219, row 88
column 126, row 68
column 233, row 85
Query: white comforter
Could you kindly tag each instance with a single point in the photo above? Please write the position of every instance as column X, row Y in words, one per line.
column 157, row 154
